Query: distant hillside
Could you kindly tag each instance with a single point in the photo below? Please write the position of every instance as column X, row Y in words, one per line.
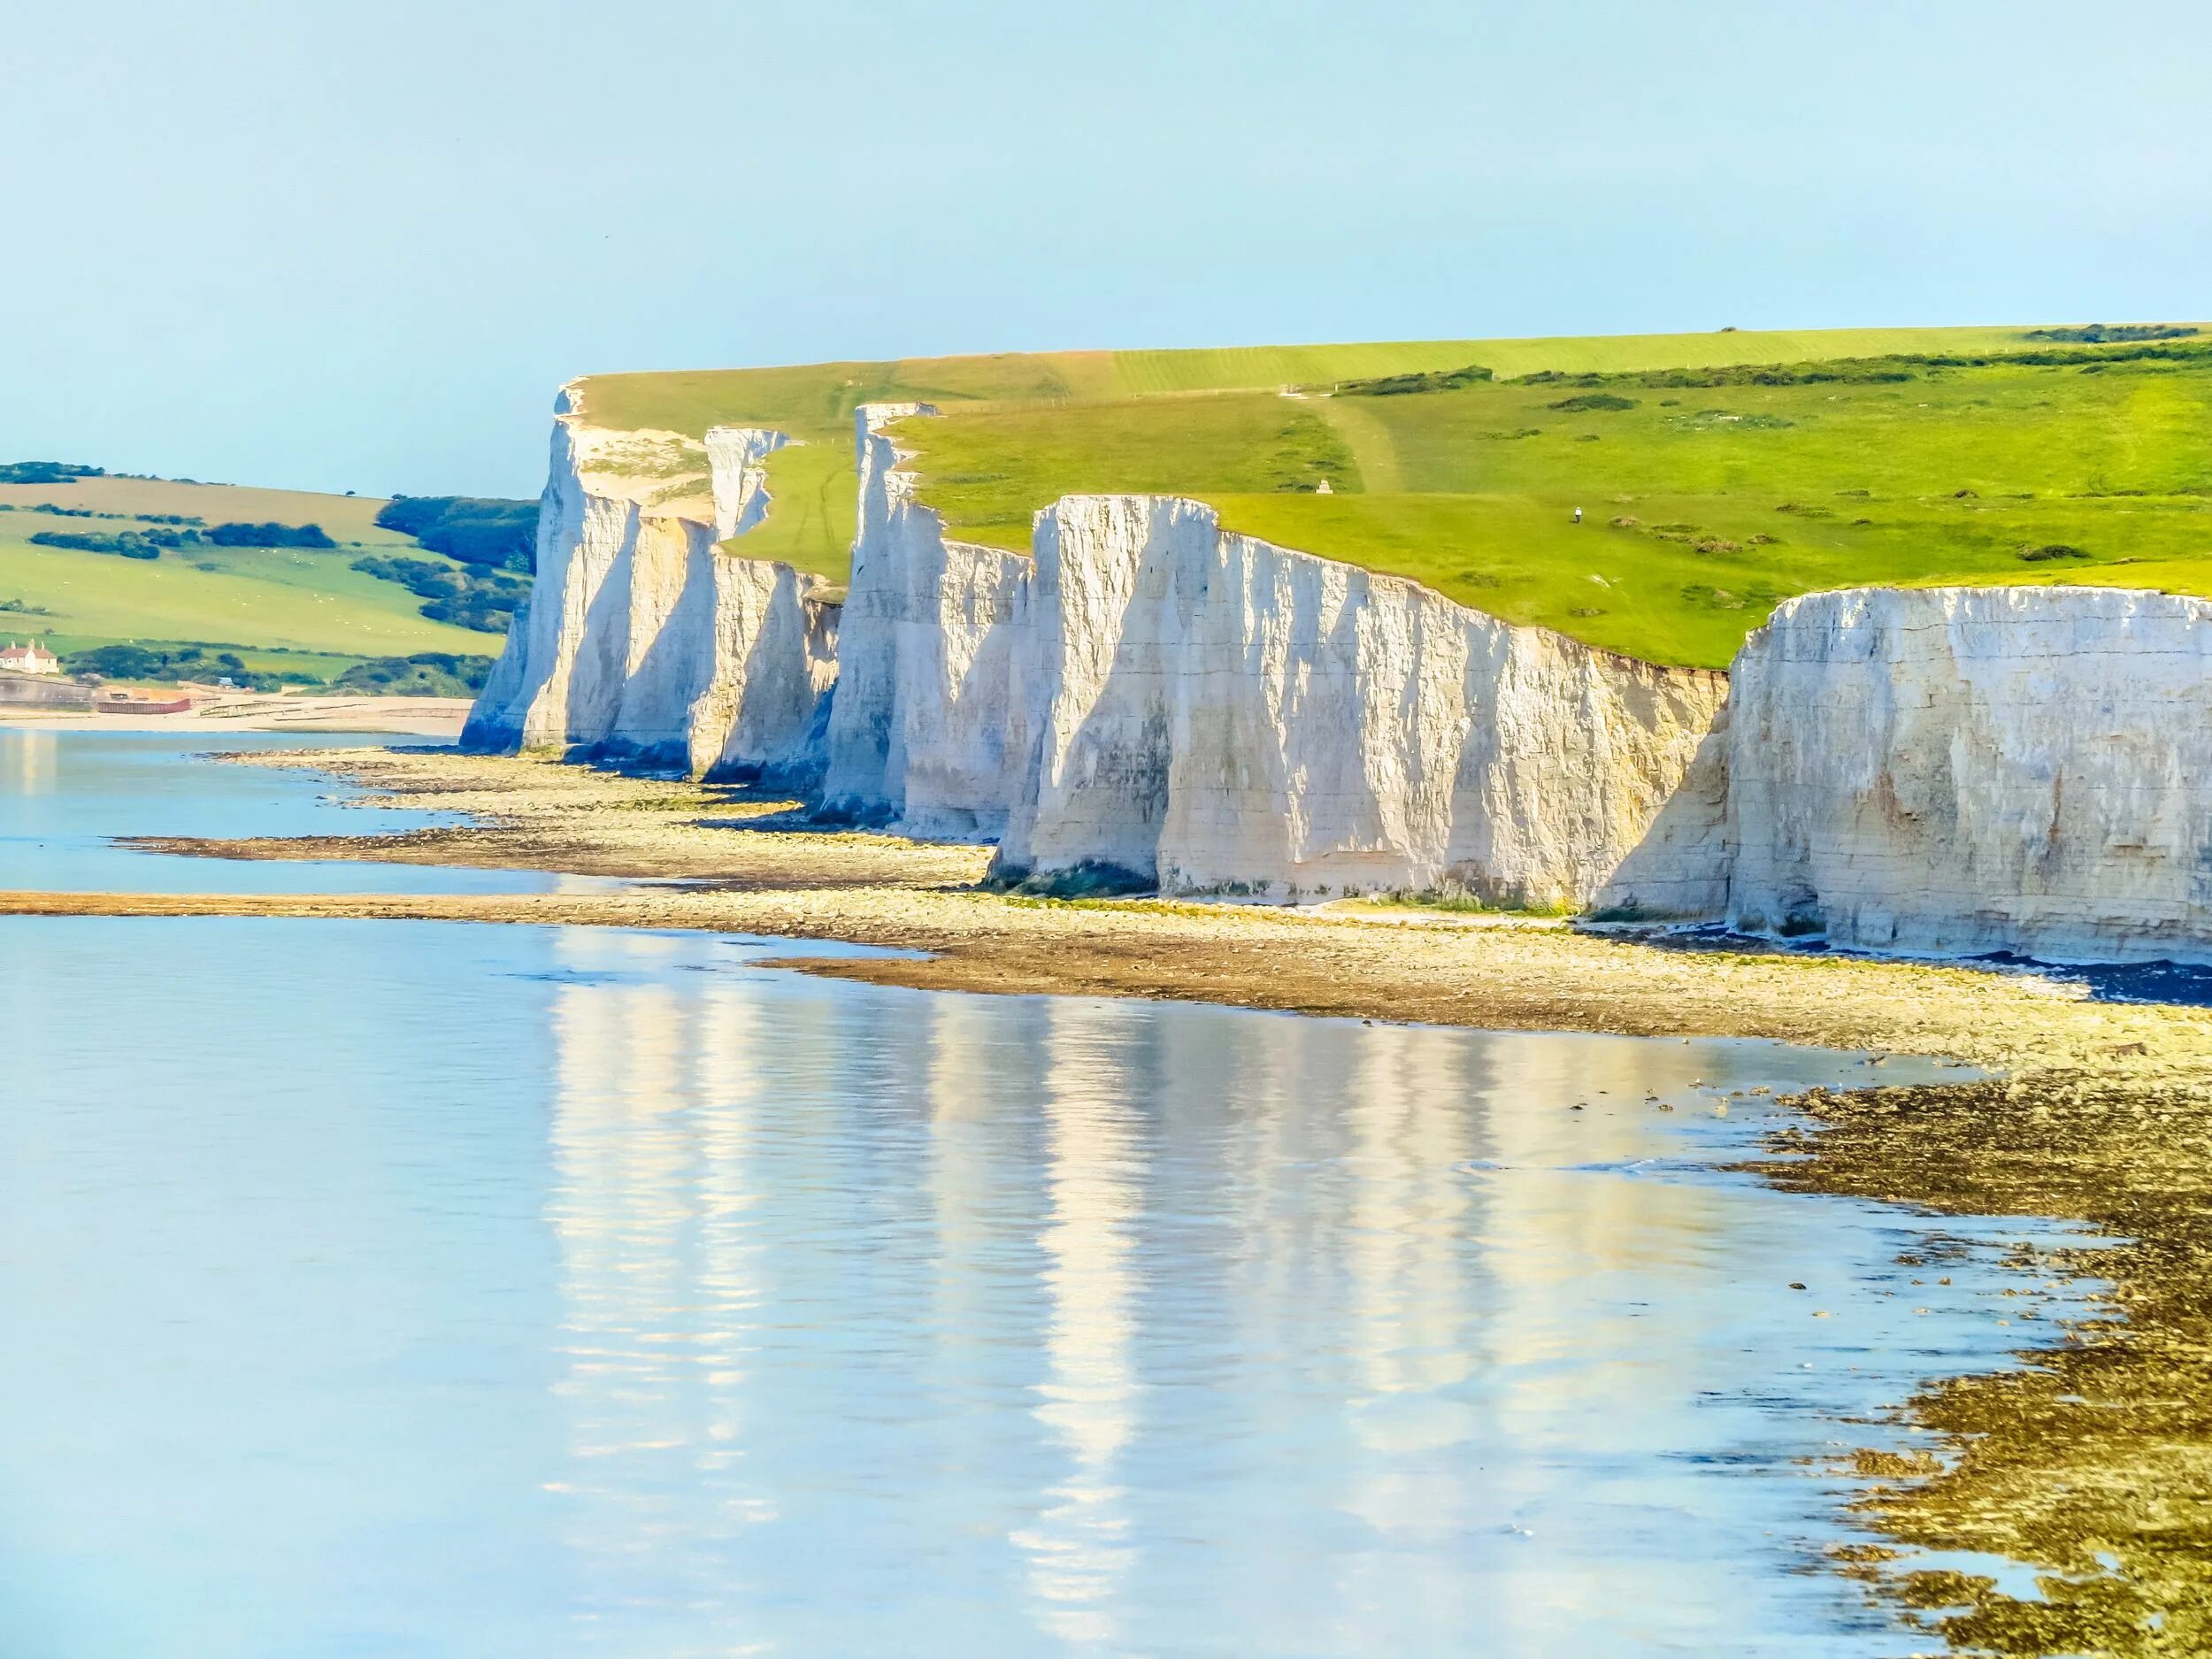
column 255, row 581
column 474, row 530
column 1717, row 473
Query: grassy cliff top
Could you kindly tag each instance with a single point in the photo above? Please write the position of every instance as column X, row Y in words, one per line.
column 1717, row 472
column 816, row 400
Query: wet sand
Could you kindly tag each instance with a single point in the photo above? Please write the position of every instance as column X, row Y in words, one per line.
column 2095, row 1463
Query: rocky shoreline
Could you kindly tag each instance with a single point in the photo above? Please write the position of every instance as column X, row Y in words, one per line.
column 747, row 862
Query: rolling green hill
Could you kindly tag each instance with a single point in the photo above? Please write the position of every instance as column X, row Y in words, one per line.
column 294, row 612
column 1718, row 473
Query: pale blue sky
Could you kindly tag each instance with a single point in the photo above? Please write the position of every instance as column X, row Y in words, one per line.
column 359, row 246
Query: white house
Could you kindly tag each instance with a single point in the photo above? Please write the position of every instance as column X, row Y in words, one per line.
column 30, row 659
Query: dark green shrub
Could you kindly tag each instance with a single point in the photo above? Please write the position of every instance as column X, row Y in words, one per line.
column 475, row 529
column 289, row 535
column 2100, row 334
column 1400, row 385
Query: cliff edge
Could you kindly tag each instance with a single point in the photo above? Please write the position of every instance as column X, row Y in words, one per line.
column 1955, row 771
column 647, row 643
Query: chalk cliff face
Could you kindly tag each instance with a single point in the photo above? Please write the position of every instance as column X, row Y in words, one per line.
column 1965, row 769
column 643, row 642
column 1149, row 696
column 924, row 731
column 1232, row 716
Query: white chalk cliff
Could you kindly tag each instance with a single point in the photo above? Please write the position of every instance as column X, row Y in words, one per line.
column 1955, row 771
column 1152, row 696
column 924, row 731
column 1148, row 698
column 1233, row 717
column 643, row 641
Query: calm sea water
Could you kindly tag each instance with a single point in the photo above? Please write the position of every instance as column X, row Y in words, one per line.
column 425, row 1289
column 64, row 793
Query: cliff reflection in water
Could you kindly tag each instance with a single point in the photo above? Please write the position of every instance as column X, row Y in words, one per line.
column 999, row 1324
column 1082, row 1547
column 30, row 756
column 653, row 1174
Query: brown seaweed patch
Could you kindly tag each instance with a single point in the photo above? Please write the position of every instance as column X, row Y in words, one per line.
column 2093, row 1463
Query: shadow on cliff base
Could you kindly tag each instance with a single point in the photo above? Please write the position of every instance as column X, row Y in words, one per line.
column 2181, row 983
column 1091, row 878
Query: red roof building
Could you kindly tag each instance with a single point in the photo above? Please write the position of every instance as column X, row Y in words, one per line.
column 29, row 658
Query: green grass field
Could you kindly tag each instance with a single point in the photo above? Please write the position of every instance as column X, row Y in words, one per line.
column 816, row 400
column 813, row 508
column 306, row 607
column 1704, row 504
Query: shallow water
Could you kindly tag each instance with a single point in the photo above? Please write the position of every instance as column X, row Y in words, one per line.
column 429, row 1289
column 62, row 796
